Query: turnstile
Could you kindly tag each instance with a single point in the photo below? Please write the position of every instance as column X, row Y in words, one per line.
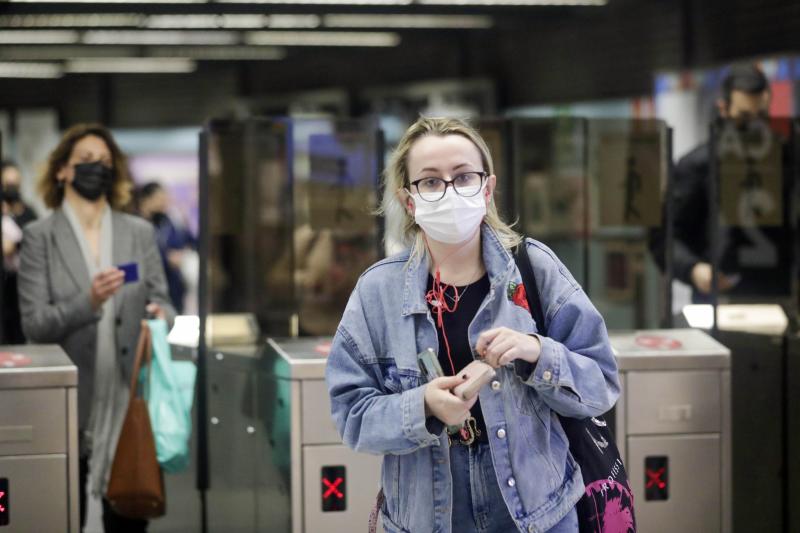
column 673, row 429
column 276, row 460
column 38, row 440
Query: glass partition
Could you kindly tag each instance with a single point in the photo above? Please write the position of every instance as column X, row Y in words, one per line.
column 549, row 173
column 291, row 221
column 287, row 227
column 628, row 171
column 495, row 132
column 755, row 235
column 249, row 221
column 336, row 235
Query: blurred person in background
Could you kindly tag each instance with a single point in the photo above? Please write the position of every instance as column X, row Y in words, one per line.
column 19, row 210
column 745, row 97
column 16, row 215
column 174, row 241
column 72, row 293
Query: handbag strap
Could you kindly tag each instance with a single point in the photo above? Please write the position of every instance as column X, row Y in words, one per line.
column 523, row 261
column 144, row 350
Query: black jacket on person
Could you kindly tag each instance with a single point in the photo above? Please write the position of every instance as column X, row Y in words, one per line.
column 690, row 212
column 691, row 215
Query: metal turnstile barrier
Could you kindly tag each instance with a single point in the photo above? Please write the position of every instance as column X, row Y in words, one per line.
column 673, row 428
column 276, row 460
column 38, row 440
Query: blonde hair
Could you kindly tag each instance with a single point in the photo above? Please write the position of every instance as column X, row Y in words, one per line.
column 400, row 225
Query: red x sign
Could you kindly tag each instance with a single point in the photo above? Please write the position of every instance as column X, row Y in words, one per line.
column 2, row 495
column 332, row 488
column 655, row 478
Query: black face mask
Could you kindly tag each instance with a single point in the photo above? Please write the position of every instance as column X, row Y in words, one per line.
column 92, row 180
column 11, row 194
column 158, row 218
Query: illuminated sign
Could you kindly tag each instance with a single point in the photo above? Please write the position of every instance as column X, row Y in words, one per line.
column 334, row 488
column 656, row 478
column 4, row 503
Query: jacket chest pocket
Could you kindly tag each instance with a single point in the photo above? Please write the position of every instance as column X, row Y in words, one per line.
column 398, row 379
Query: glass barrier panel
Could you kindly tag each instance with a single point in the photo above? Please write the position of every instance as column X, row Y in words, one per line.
column 755, row 237
column 250, row 221
column 627, row 170
column 337, row 167
column 549, row 180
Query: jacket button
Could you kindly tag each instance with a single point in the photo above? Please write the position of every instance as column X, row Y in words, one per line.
column 124, row 351
column 119, row 322
column 495, row 385
column 547, row 375
column 512, row 482
column 501, row 433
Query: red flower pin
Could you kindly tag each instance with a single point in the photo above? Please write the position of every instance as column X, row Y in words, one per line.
column 516, row 293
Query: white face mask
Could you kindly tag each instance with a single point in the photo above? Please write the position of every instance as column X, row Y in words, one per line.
column 452, row 219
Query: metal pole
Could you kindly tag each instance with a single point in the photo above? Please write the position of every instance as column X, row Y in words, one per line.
column 669, row 231
column 2, row 267
column 202, row 297
column 714, row 226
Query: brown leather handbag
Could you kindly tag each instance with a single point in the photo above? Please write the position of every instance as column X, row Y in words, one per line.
column 136, row 486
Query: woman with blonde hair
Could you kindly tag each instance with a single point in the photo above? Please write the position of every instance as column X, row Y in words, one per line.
column 72, row 293
column 505, row 464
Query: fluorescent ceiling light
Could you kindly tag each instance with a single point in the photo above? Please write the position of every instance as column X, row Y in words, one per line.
column 106, row 2
column 294, row 21
column 514, row 2
column 206, row 21
column 231, row 21
column 38, row 37
column 52, row 52
column 146, row 37
column 323, row 2
column 71, row 20
column 135, row 20
column 211, row 53
column 30, row 70
column 137, row 65
column 321, row 38
column 221, row 53
column 407, row 21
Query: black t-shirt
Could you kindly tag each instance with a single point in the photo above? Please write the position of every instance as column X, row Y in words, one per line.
column 455, row 326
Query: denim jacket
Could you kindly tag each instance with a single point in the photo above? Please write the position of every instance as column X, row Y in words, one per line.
column 377, row 392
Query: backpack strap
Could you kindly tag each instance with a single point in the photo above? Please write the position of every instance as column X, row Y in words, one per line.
column 531, row 289
column 372, row 525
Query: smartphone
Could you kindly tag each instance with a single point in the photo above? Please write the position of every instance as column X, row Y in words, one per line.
column 131, row 271
column 430, row 368
column 477, row 375
column 429, row 365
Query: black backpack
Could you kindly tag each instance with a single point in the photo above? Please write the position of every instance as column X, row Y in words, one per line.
column 607, row 503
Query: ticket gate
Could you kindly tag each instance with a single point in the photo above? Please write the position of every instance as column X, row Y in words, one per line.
column 276, row 460
column 673, row 428
column 38, row 440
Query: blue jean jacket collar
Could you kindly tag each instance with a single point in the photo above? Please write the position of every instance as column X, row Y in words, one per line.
column 497, row 260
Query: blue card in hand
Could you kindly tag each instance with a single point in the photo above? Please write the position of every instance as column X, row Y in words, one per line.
column 131, row 271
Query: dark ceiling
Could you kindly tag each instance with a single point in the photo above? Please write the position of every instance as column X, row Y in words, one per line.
column 532, row 54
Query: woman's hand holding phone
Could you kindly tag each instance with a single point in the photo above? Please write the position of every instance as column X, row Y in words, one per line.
column 443, row 404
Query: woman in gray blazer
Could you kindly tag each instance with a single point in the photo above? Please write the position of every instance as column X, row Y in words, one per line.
column 71, row 292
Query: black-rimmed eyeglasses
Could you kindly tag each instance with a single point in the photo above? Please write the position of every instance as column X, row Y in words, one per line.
column 466, row 184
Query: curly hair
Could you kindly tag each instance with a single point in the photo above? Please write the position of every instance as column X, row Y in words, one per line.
column 51, row 190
